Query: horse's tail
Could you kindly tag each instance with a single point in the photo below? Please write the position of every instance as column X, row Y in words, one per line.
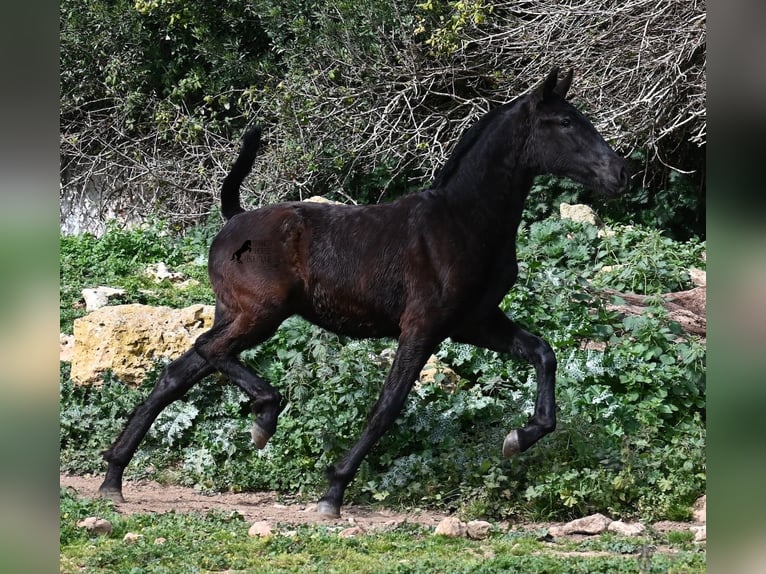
column 230, row 205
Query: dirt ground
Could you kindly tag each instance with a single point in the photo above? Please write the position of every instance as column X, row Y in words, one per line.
column 150, row 497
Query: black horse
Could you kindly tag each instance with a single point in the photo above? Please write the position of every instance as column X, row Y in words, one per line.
column 428, row 266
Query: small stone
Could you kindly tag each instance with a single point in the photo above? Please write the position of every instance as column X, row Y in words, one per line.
column 593, row 524
column 699, row 509
column 626, row 528
column 351, row 532
column 160, row 540
column 478, row 529
column 451, row 526
column 260, row 528
column 132, row 537
column 100, row 297
column 95, row 525
column 700, row 533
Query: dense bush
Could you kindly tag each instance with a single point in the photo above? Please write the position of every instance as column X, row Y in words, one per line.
column 631, row 433
column 364, row 101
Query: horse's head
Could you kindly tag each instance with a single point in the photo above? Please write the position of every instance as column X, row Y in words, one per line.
column 563, row 142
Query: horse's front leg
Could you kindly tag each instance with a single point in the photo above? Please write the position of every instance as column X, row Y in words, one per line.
column 411, row 356
column 498, row 333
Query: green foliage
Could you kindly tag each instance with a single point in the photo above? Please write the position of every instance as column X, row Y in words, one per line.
column 630, row 439
column 120, row 259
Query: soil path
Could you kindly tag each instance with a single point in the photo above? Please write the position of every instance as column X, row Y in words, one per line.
column 146, row 496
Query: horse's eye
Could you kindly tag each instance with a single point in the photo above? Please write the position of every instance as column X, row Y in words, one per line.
column 565, row 122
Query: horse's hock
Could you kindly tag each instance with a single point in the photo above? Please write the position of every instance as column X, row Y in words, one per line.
column 128, row 339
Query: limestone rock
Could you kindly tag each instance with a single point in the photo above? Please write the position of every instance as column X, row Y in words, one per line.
column 451, row 526
column 95, row 525
column 260, row 529
column 435, row 367
column 593, row 524
column 127, row 339
column 700, row 533
column 579, row 212
column 699, row 509
column 159, row 272
column 478, row 529
column 320, row 199
column 100, row 297
column 351, row 532
column 132, row 537
column 626, row 528
column 66, row 347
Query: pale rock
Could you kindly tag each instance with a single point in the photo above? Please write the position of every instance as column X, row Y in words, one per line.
column 626, row 528
column 128, row 339
column 66, row 347
column 478, row 529
column 579, row 212
column 320, row 199
column 593, row 524
column 451, row 526
column 160, row 540
column 132, row 537
column 260, row 529
column 98, row 297
column 95, row 525
column 351, row 532
column 698, row 276
column 700, row 533
column 159, row 272
column 434, row 367
column 699, row 509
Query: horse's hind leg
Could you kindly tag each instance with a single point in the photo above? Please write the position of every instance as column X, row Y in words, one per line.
column 176, row 379
column 220, row 347
column 498, row 333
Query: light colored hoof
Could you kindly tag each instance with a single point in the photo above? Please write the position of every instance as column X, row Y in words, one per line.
column 511, row 445
column 111, row 494
column 260, row 437
column 327, row 510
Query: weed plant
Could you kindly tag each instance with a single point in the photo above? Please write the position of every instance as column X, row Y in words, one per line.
column 630, row 440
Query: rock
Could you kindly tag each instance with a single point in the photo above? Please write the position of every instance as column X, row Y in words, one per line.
column 593, row 524
column 260, row 529
column 626, row 528
column 100, row 297
column 478, row 529
column 700, row 533
column 579, row 212
column 96, row 525
column 699, row 509
column 698, row 276
column 434, row 367
column 66, row 347
column 160, row 272
column 351, row 532
column 160, row 540
column 132, row 537
column 128, row 339
column 320, row 199
column 451, row 526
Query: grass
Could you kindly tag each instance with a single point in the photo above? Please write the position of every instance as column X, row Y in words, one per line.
column 217, row 542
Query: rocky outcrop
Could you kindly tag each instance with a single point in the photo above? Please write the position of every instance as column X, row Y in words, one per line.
column 128, row 339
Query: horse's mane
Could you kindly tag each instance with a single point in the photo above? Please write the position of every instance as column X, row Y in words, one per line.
column 466, row 142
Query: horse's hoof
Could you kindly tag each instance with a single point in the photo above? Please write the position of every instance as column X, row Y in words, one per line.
column 113, row 494
column 511, row 444
column 328, row 510
column 260, row 437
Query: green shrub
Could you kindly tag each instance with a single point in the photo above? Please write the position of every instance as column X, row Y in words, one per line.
column 631, row 433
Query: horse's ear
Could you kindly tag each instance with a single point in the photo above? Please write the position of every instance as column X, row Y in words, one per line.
column 562, row 86
column 543, row 91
